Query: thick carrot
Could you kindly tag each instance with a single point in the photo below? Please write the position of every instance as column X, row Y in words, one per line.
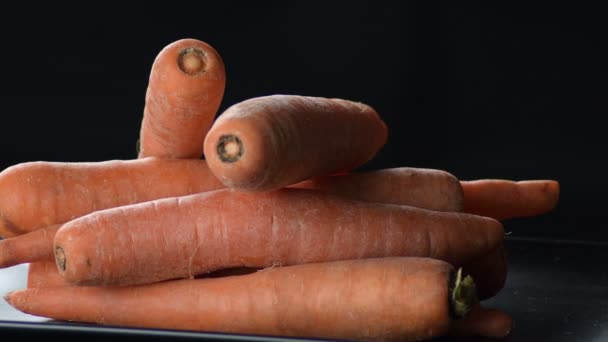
column 33, row 246
column 34, row 195
column 425, row 188
column 190, row 235
column 504, row 199
column 184, row 93
column 270, row 142
column 44, row 274
column 384, row 299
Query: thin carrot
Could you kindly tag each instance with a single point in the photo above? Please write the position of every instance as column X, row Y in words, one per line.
column 270, row 142
column 504, row 199
column 425, row 188
column 190, row 235
column 384, row 299
column 184, row 93
column 484, row 322
column 33, row 246
column 34, row 195
column 44, row 274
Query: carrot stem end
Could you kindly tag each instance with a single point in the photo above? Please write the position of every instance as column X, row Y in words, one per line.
column 463, row 295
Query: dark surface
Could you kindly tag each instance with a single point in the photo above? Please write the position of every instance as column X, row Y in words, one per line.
column 555, row 291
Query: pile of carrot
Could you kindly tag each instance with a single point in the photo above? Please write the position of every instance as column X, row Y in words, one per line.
column 255, row 220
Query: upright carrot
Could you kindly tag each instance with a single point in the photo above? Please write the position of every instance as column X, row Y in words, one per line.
column 34, row 195
column 270, row 142
column 184, row 93
column 190, row 235
column 504, row 199
column 385, row 299
column 425, row 188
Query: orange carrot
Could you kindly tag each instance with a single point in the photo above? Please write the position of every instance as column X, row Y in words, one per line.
column 270, row 142
column 44, row 274
column 190, row 235
column 184, row 93
column 384, row 299
column 484, row 322
column 425, row 188
column 505, row 199
column 34, row 195
column 33, row 246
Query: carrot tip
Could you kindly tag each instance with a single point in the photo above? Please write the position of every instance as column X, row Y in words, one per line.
column 230, row 148
column 60, row 258
column 192, row 61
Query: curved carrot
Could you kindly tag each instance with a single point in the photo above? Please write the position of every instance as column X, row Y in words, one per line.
column 184, row 93
column 504, row 199
column 44, row 274
column 270, row 142
column 191, row 235
column 33, row 246
column 34, row 195
column 424, row 188
column 384, row 299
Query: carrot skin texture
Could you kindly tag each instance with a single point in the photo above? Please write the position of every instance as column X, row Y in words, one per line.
column 190, row 235
column 181, row 103
column 386, row 299
column 33, row 246
column 270, row 142
column 44, row 274
column 34, row 195
column 505, row 199
column 424, row 188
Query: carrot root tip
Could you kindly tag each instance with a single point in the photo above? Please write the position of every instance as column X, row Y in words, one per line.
column 463, row 295
column 192, row 61
column 60, row 258
column 229, row 148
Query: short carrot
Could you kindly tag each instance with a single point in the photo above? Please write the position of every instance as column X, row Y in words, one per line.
column 44, row 274
column 425, row 188
column 30, row 247
column 34, row 195
column 504, row 199
column 384, row 299
column 191, row 235
column 490, row 271
column 184, row 93
column 270, row 142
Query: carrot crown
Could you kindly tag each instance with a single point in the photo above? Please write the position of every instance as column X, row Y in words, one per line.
column 463, row 295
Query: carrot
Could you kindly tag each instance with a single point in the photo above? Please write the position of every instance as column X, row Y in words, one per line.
column 270, row 142
column 190, row 235
column 384, row 299
column 44, row 274
column 33, row 246
column 184, row 93
column 484, row 322
column 34, row 195
column 504, row 199
column 425, row 188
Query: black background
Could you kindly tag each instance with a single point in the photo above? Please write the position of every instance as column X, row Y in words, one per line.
column 481, row 91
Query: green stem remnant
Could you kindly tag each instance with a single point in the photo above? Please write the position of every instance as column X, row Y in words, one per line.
column 463, row 295
column 229, row 148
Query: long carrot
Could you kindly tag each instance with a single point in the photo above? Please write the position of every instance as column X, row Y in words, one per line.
column 425, row 188
column 195, row 234
column 44, row 274
column 385, row 299
column 184, row 93
column 33, row 246
column 504, row 199
column 34, row 195
column 270, row 142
